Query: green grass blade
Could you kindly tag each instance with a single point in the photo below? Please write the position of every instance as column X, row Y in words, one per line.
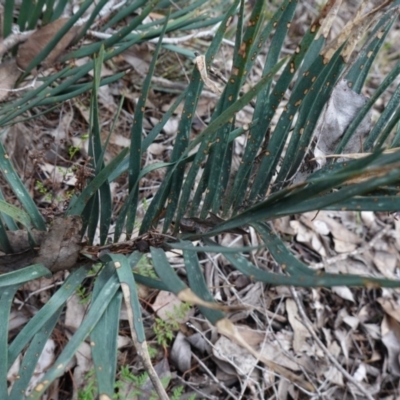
column 16, row 214
column 5, row 245
column 205, row 137
column 24, row 13
column 392, row 75
column 8, row 17
column 301, row 198
column 119, row 225
column 24, row 275
column 35, row 14
column 95, row 14
column 266, row 102
column 182, row 140
column 198, row 285
column 358, row 72
column 57, row 37
column 102, row 205
column 78, row 204
column 48, row 12
column 6, row 299
column 125, row 276
column 46, row 312
column 219, row 162
column 90, row 217
column 59, row 9
column 150, row 137
column 94, row 314
column 20, row 106
column 323, row 280
column 150, row 282
column 12, row 226
column 123, row 13
column 309, row 52
column 166, row 273
column 135, row 155
column 309, row 113
column 22, row 194
column 185, row 245
column 386, row 122
column 287, row 261
column 368, row 203
column 105, row 335
column 31, row 356
column 396, row 140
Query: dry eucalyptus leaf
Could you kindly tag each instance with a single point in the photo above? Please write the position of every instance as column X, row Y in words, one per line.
column 226, row 350
column 40, row 39
column 390, row 306
column 301, row 333
column 344, row 292
column 9, row 74
column 139, row 57
column 181, row 354
column 274, row 352
column 390, row 329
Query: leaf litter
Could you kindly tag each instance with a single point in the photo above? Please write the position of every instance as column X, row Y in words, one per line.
column 359, row 328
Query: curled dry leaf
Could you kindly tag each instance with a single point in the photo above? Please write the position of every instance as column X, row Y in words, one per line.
column 390, row 330
column 40, row 39
column 9, row 74
column 200, row 63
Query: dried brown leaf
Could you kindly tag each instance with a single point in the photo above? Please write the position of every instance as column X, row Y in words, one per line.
column 40, row 39
column 391, row 339
column 301, row 333
column 391, row 307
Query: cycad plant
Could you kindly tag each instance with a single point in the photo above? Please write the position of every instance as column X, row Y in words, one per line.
column 308, row 112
